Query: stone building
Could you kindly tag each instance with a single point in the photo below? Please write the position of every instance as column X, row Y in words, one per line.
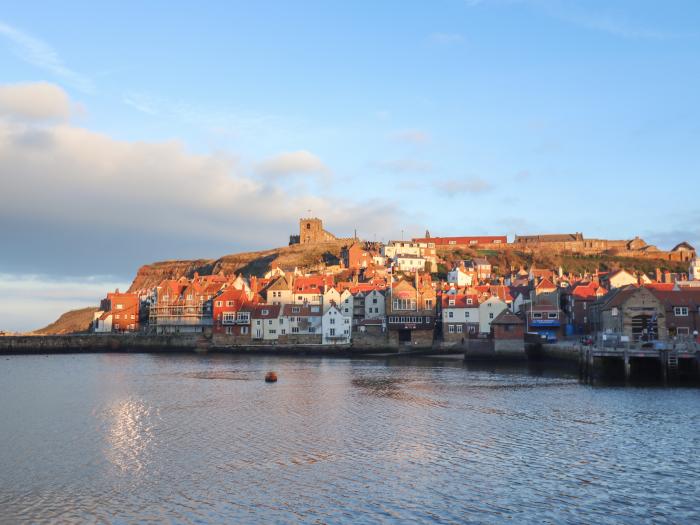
column 311, row 232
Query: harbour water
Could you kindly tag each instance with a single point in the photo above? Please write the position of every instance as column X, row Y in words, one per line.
column 203, row 439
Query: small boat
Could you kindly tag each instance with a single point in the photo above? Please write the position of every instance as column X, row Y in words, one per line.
column 270, row 377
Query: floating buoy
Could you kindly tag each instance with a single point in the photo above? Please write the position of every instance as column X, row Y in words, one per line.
column 270, row 377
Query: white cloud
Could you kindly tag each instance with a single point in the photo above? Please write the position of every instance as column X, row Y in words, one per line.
column 37, row 100
column 293, row 163
column 40, row 54
column 101, row 205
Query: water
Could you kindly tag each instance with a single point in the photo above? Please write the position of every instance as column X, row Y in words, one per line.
column 198, row 439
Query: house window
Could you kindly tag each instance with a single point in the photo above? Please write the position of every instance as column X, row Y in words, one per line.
column 332, row 320
column 265, row 312
column 680, row 311
column 470, row 301
column 244, row 330
column 283, row 331
column 374, row 301
column 332, row 331
column 450, row 314
column 295, row 329
column 120, row 306
column 269, row 321
column 243, row 317
column 116, row 326
column 312, row 329
column 229, row 303
column 466, row 314
column 229, row 318
column 537, row 315
column 404, row 304
column 428, row 303
column 229, row 330
column 273, row 332
column 451, row 302
column 459, row 328
column 553, row 315
column 682, row 330
column 491, row 315
column 295, row 310
column 614, row 311
column 116, row 316
column 451, row 329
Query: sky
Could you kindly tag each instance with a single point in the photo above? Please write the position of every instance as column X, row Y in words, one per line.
column 132, row 132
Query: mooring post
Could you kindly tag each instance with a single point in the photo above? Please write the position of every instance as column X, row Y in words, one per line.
column 663, row 355
column 628, row 367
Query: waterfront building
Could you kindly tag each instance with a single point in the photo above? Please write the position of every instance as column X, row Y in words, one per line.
column 336, row 326
column 410, row 311
column 460, row 316
column 488, row 311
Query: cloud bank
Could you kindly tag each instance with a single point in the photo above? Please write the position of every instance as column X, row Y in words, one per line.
column 78, row 202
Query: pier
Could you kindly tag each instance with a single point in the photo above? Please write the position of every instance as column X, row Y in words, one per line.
column 634, row 363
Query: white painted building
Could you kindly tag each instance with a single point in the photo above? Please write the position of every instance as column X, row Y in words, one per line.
column 336, row 327
column 488, row 311
column 694, row 270
column 330, row 297
column 409, row 263
column 459, row 277
column 102, row 322
column 396, row 248
column 622, row 278
column 375, row 305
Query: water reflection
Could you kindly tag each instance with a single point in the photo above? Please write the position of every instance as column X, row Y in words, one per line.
column 202, row 439
column 129, row 434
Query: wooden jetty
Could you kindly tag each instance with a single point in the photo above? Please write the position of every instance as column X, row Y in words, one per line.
column 668, row 364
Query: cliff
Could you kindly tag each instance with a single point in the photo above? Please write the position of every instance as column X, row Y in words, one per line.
column 247, row 263
column 71, row 322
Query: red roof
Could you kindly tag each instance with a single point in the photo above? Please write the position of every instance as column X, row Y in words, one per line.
column 662, row 287
column 460, row 300
column 443, row 241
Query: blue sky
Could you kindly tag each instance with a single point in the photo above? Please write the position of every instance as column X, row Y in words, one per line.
column 464, row 117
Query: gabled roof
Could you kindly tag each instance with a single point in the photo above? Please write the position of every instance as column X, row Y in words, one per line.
column 301, row 310
column 506, row 317
column 545, row 284
column 259, row 311
column 682, row 246
column 460, row 300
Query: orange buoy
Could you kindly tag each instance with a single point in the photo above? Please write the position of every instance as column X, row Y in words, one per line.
column 270, row 377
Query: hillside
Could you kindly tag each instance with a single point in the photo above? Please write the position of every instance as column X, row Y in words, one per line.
column 70, row 322
column 248, row 263
column 504, row 260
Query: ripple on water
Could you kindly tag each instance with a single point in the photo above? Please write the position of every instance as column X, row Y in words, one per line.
column 195, row 440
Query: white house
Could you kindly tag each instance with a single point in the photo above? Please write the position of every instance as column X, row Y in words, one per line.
column 694, row 270
column 266, row 322
column 301, row 319
column 396, row 248
column 488, row 311
column 102, row 322
column 279, row 292
column 460, row 314
column 346, row 303
column 330, row 297
column 622, row 278
column 375, row 306
column 409, row 263
column 459, row 277
column 336, row 327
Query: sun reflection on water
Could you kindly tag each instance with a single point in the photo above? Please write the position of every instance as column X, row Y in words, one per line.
column 129, row 435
